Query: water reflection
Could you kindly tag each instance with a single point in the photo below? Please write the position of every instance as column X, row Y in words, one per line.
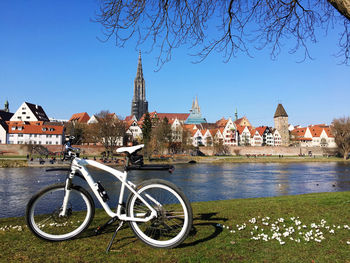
column 200, row 182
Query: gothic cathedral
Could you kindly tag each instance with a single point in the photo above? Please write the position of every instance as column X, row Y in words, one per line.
column 139, row 104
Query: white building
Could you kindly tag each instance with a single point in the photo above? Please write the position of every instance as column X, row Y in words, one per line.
column 277, row 140
column 34, row 133
column 134, row 130
column 29, row 112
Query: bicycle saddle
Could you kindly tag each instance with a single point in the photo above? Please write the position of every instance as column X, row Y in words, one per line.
column 130, row 149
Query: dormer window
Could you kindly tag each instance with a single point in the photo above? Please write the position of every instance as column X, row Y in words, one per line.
column 44, row 129
column 13, row 128
column 52, row 129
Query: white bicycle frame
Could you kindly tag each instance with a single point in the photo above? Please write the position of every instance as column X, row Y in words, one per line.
column 80, row 166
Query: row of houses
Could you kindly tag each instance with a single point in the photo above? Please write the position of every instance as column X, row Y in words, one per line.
column 30, row 125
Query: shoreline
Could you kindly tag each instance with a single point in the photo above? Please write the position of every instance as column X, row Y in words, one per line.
column 23, row 162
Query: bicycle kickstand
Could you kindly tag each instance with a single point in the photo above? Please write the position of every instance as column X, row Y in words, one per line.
column 113, row 237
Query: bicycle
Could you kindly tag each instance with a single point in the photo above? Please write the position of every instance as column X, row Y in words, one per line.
column 157, row 211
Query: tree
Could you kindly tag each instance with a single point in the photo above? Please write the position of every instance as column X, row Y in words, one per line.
column 341, row 132
column 146, row 132
column 146, row 128
column 186, row 141
column 76, row 129
column 161, row 136
column 227, row 26
column 220, row 148
column 109, row 130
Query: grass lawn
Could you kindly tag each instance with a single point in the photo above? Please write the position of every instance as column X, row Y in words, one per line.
column 304, row 228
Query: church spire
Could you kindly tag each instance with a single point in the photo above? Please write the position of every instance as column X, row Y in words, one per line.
column 139, row 105
column 139, row 73
column 7, row 108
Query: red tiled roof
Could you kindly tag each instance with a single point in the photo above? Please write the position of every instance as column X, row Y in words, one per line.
column 328, row 131
column 189, row 127
column 173, row 116
column 36, row 127
column 82, row 117
column 244, row 120
column 213, row 131
column 261, row 130
column 240, row 128
column 128, row 118
column 316, row 131
column 252, row 132
column 221, row 123
column 300, row 132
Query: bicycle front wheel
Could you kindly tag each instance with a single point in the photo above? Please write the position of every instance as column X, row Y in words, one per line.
column 43, row 213
column 174, row 214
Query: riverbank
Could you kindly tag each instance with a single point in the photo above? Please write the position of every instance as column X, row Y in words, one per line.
column 22, row 161
column 303, row 228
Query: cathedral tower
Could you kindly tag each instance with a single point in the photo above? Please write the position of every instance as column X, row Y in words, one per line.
column 139, row 104
column 281, row 124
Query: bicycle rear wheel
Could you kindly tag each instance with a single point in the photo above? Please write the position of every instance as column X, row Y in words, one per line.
column 43, row 213
column 174, row 214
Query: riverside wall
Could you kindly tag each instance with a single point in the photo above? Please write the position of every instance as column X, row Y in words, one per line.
column 22, row 149
column 268, row 150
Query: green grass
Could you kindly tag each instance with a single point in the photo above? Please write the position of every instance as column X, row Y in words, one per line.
column 209, row 241
column 13, row 163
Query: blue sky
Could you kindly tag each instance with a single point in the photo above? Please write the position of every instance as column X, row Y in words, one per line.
column 50, row 55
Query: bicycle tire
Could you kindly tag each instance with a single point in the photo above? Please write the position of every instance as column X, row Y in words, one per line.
column 174, row 214
column 42, row 213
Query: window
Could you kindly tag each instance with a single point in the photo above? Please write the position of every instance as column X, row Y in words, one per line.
column 19, row 117
column 13, row 128
column 23, row 108
column 28, row 117
column 35, row 135
column 44, row 129
column 20, row 135
column 39, row 142
column 23, row 112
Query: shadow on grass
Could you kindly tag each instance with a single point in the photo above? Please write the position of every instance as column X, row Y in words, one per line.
column 209, row 221
column 200, row 222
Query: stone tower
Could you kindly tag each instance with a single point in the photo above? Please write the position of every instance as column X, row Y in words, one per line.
column 139, row 104
column 281, row 124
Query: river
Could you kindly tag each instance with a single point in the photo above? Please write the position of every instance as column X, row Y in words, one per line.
column 200, row 182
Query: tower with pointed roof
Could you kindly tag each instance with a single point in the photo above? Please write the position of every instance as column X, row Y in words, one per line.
column 281, row 124
column 139, row 104
column 195, row 114
column 7, row 106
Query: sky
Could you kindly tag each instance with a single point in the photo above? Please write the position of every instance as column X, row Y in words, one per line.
column 50, row 55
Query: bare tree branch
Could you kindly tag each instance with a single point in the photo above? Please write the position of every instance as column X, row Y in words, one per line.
column 229, row 27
